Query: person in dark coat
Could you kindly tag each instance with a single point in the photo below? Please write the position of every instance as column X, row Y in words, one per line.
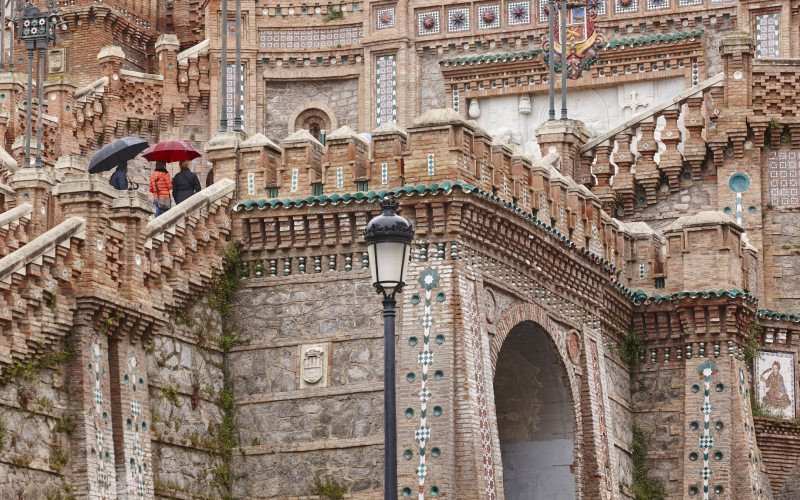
column 119, row 179
column 185, row 183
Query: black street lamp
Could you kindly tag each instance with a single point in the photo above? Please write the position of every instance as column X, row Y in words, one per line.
column 389, row 238
column 36, row 29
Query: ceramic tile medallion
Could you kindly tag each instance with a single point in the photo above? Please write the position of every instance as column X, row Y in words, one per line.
column 488, row 17
column 458, row 20
column 657, row 4
column 428, row 23
column 312, row 38
column 783, row 170
column 385, row 18
column 519, row 13
column 767, row 36
column 774, row 382
column 626, row 6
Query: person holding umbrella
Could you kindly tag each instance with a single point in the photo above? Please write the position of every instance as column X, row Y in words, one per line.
column 118, row 153
column 160, row 187
column 185, row 183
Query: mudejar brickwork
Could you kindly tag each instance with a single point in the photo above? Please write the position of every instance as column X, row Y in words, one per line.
column 601, row 307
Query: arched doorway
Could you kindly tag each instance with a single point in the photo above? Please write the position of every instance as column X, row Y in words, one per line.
column 535, row 420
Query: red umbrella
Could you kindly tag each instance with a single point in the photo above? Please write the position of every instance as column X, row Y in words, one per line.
column 170, row 151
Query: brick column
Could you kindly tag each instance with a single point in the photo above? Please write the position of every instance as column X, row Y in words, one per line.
column 130, row 409
column 565, row 138
column 35, row 186
column 90, row 408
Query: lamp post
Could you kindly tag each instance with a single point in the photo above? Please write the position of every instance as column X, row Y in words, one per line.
column 36, row 29
column 389, row 238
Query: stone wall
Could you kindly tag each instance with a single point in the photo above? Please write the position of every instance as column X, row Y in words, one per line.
column 694, row 196
column 286, row 97
column 657, row 396
column 293, row 427
column 35, row 430
column 185, row 378
column 431, row 85
column 781, row 258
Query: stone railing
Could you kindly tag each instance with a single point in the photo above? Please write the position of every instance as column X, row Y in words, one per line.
column 35, row 311
column 184, row 246
column 630, row 160
column 12, row 228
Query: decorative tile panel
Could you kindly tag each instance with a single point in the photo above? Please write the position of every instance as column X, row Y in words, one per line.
column 431, row 165
column 458, row 20
column 428, row 23
column 774, row 382
column 251, row 183
column 295, row 180
column 783, row 170
column 384, row 18
column 386, row 89
column 488, row 17
column 476, row 341
column 686, row 3
column 384, row 173
column 542, row 11
column 455, row 99
column 626, row 6
column 706, row 371
column 767, row 36
column 339, row 177
column 657, row 4
column 312, row 38
column 230, row 95
column 519, row 13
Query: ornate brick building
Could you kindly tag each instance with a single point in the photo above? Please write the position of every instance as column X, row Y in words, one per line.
column 601, row 307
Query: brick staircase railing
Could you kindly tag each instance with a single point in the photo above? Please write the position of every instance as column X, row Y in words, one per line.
column 35, row 306
column 12, row 228
column 642, row 154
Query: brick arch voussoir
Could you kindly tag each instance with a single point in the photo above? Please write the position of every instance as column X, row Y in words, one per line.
column 518, row 314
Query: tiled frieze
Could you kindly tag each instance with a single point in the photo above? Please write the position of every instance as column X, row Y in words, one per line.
column 316, row 38
column 783, row 173
column 386, row 89
column 230, row 96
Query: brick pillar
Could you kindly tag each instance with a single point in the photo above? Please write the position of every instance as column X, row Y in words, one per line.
column 130, row 407
column 565, row 138
column 35, row 186
column 222, row 152
column 90, row 407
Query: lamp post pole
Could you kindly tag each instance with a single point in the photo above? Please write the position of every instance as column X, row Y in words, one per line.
column 551, row 59
column 28, row 107
column 389, row 401
column 389, row 238
column 563, row 33
column 223, row 69
column 40, row 107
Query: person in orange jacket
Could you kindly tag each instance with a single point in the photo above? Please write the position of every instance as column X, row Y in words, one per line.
column 160, row 187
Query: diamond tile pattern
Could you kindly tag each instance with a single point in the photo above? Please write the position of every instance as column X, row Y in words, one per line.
column 313, row 38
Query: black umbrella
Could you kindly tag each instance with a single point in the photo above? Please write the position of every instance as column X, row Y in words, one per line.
column 116, row 153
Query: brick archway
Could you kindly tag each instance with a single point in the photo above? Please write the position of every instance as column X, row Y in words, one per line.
column 516, row 324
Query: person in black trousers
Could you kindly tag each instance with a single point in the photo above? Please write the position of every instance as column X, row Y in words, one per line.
column 185, row 183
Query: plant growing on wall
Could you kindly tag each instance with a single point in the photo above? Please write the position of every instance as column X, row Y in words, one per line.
column 223, row 291
column 644, row 486
column 327, row 487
